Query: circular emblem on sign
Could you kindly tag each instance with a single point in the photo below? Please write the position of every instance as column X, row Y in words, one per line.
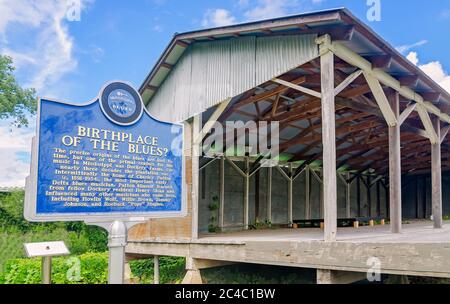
column 121, row 103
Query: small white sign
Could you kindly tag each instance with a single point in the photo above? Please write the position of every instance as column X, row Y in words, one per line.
column 45, row 249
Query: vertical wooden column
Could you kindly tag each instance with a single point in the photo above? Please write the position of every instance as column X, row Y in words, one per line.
column 269, row 194
column 436, row 176
column 395, row 171
column 246, row 192
column 307, row 194
column 329, row 146
column 290, row 196
column 196, row 129
column 222, row 192
column 348, row 189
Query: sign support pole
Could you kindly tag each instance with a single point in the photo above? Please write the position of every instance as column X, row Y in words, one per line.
column 117, row 241
column 46, row 270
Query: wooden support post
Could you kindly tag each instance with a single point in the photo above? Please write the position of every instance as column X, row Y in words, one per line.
column 378, row 199
column 395, row 172
column 369, row 195
column 246, row 193
column 358, row 194
column 155, row 269
column 196, row 129
column 436, row 177
column 290, row 196
column 348, row 190
column 307, row 193
column 269, row 194
column 222, row 193
column 329, row 146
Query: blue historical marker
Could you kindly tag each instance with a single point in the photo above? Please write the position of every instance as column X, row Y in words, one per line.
column 104, row 160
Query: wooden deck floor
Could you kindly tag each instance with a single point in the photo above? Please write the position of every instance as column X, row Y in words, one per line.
column 415, row 232
column 419, row 250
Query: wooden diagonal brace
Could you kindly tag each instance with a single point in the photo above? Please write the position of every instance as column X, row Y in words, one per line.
column 297, row 87
column 381, row 99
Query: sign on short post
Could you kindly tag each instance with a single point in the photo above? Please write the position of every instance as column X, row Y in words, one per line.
column 46, row 251
column 108, row 163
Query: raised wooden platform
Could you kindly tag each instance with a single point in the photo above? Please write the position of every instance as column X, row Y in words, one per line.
column 420, row 250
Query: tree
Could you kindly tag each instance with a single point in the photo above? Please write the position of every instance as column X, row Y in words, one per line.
column 15, row 102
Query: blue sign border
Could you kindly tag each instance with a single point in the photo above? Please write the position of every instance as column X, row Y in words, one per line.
column 30, row 210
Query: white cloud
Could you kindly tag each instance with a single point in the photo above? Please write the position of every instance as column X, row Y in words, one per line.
column 15, row 148
column 405, row 48
column 48, row 54
column 44, row 54
column 433, row 69
column 266, row 9
column 257, row 10
column 217, row 17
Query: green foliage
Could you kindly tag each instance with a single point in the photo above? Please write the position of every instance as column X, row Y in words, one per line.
column 15, row 230
column 89, row 268
column 214, row 207
column 15, row 102
column 261, row 225
column 171, row 270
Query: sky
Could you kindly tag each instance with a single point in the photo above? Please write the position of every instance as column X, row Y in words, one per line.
column 67, row 49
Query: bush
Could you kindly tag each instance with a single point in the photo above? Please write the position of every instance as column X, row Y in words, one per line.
column 171, row 270
column 15, row 230
column 89, row 268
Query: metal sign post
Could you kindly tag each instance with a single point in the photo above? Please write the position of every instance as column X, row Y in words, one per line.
column 117, row 241
column 46, row 250
column 46, row 270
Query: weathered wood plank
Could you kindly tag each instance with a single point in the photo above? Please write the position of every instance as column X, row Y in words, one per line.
column 395, row 172
column 329, row 147
column 436, row 177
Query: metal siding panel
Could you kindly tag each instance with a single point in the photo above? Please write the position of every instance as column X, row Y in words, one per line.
column 278, row 55
column 182, row 82
column 218, row 76
column 243, row 64
column 197, row 93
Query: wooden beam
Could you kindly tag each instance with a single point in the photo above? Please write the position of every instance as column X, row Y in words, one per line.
column 275, row 105
column 436, row 177
column 356, row 60
column 329, row 147
column 222, row 193
column 307, row 193
column 269, row 194
column 431, row 96
column 290, row 196
column 246, row 193
column 380, row 61
column 352, row 77
column 395, row 172
column 195, row 159
column 409, row 81
column 428, row 124
column 212, row 120
column 405, row 114
column 444, row 133
column 297, row 87
column 381, row 99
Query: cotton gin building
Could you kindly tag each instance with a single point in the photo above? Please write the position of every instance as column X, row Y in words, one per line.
column 362, row 144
